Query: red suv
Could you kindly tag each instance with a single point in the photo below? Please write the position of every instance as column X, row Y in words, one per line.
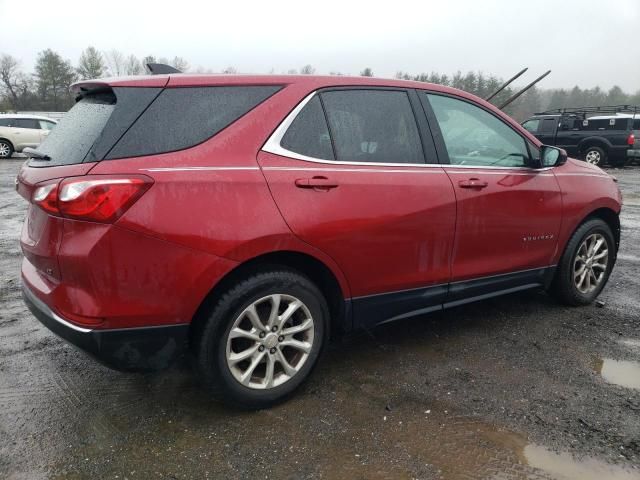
column 243, row 218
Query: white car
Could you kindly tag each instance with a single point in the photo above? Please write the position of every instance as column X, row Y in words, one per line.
column 20, row 131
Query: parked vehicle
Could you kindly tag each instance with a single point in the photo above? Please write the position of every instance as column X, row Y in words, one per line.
column 18, row 132
column 244, row 218
column 587, row 133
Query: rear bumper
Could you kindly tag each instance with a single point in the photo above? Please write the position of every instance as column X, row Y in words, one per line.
column 137, row 349
column 633, row 153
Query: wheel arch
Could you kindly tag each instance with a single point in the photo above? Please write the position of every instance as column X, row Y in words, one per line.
column 4, row 139
column 308, row 265
column 594, row 142
column 610, row 217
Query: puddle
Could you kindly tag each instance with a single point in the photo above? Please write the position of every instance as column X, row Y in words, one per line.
column 619, row 372
column 562, row 466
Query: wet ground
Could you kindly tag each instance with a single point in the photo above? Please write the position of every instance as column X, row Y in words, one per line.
column 512, row 388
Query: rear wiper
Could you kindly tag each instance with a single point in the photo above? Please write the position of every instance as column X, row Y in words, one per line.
column 33, row 153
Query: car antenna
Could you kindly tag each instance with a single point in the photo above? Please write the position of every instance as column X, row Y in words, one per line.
column 513, row 97
column 161, row 69
column 506, row 84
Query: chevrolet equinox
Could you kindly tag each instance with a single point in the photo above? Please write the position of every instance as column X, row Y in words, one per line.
column 243, row 218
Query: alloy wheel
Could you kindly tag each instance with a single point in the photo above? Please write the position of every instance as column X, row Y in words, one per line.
column 590, row 263
column 270, row 341
column 4, row 150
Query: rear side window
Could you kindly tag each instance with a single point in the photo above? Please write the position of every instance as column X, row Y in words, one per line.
column 5, row 122
column 183, row 117
column 549, row 125
column 308, row 134
column 373, row 126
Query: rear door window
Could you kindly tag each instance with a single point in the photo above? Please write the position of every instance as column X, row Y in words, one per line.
column 183, row 117
column 373, row 126
column 549, row 125
column 29, row 123
column 308, row 134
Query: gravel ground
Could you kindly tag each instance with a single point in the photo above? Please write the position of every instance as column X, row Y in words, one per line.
column 510, row 388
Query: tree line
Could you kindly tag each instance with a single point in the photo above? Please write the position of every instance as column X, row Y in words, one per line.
column 47, row 87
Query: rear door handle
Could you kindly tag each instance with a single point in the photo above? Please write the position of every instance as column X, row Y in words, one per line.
column 473, row 183
column 320, row 183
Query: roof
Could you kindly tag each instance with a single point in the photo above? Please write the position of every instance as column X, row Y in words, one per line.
column 22, row 115
column 315, row 81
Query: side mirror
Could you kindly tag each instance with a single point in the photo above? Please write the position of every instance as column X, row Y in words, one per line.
column 552, row 156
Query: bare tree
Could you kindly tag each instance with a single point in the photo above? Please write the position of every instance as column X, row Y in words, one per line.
column 367, row 72
column 292, row 71
column 115, row 62
column 307, row 70
column 180, row 63
column 132, row 66
column 231, row 70
column 12, row 79
column 91, row 64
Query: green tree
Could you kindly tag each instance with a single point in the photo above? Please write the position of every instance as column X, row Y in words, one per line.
column 54, row 76
column 367, row 72
column 91, row 64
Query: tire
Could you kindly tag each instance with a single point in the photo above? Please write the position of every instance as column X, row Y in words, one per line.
column 567, row 286
column 6, row 149
column 595, row 156
column 215, row 349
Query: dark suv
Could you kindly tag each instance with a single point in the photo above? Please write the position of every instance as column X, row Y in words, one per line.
column 598, row 135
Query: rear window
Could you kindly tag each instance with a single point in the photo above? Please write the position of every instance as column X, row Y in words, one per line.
column 183, row 117
column 78, row 130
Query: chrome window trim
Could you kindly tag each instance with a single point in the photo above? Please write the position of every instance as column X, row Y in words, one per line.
column 272, row 145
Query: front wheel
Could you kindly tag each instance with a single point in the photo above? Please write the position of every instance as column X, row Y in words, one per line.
column 263, row 338
column 586, row 264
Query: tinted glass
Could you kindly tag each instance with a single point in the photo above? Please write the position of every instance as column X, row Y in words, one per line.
column 549, row 125
column 5, row 122
column 473, row 136
column 636, row 124
column 373, row 126
column 44, row 125
column 183, row 117
column 26, row 123
column 608, row 124
column 78, row 130
column 308, row 134
column 531, row 125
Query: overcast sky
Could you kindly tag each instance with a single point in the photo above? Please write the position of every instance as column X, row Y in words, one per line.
column 584, row 42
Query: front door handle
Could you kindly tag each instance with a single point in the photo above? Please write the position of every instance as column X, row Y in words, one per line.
column 475, row 183
column 319, row 183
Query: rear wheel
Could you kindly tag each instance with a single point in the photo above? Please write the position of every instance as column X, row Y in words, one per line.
column 6, row 149
column 263, row 338
column 586, row 264
column 595, row 156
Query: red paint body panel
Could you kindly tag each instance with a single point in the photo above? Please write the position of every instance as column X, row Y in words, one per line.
column 390, row 228
column 495, row 224
column 219, row 204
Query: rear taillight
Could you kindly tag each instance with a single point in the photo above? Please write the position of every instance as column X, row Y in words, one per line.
column 631, row 140
column 94, row 198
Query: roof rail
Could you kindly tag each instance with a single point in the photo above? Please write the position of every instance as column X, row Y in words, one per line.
column 161, row 69
column 585, row 111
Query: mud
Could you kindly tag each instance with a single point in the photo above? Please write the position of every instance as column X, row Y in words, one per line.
column 504, row 389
